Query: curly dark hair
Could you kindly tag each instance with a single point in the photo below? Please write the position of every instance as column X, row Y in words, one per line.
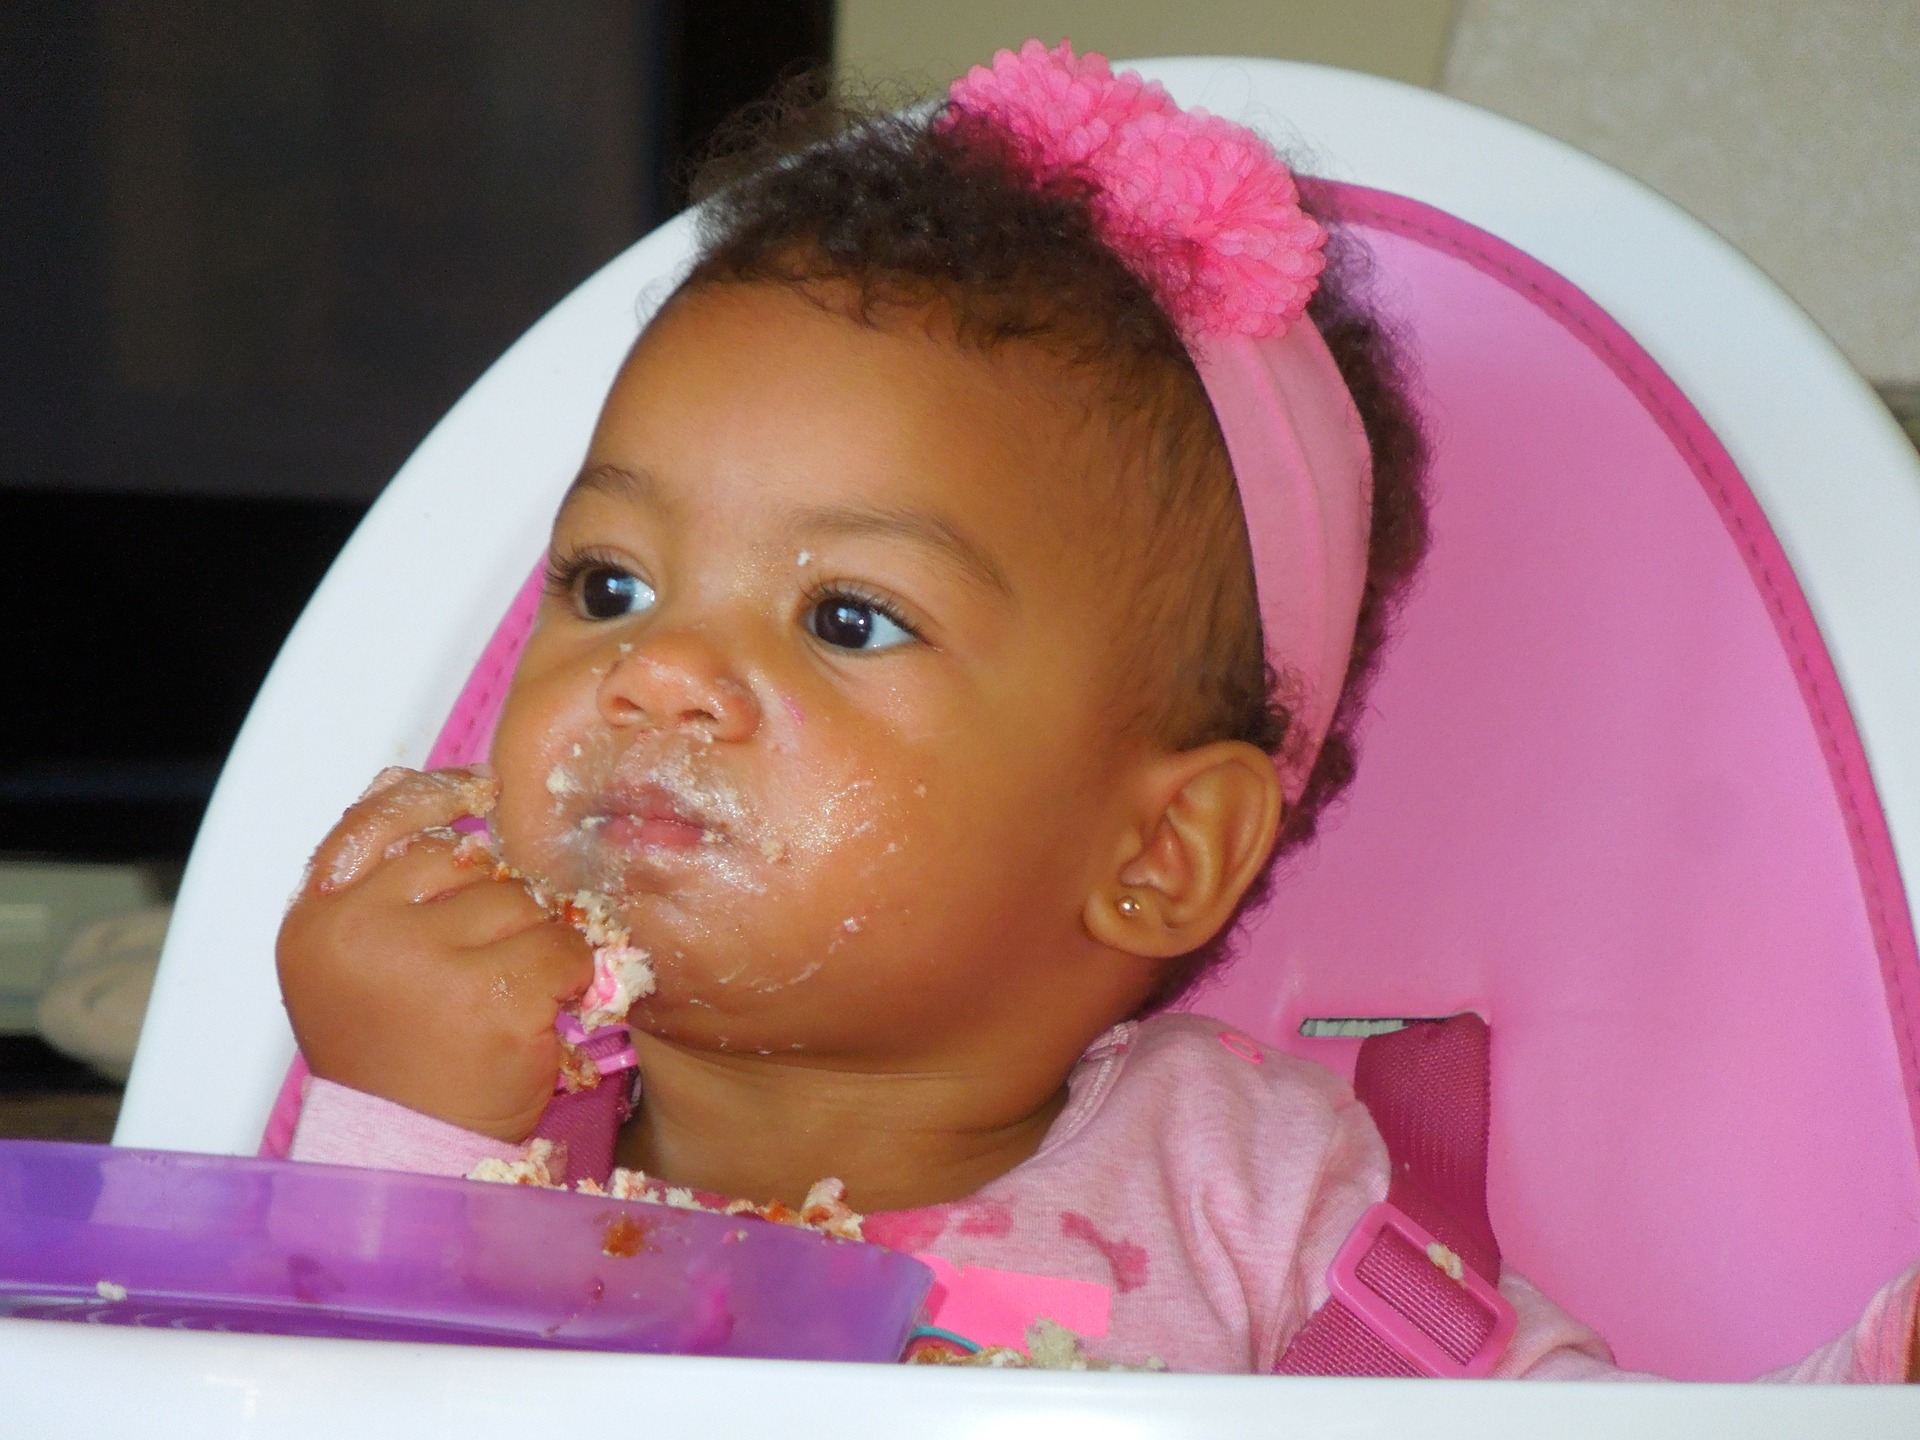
column 902, row 212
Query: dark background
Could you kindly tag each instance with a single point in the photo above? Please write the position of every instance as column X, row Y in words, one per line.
column 250, row 253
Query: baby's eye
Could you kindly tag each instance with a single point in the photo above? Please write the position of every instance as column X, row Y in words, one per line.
column 606, row 592
column 850, row 623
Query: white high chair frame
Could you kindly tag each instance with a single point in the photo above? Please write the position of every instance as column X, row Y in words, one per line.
column 369, row 673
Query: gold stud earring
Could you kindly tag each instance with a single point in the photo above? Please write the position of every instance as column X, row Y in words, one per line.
column 1127, row 906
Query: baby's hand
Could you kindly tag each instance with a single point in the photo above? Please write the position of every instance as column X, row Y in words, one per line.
column 423, row 980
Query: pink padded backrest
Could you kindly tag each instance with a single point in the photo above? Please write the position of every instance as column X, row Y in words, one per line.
column 1612, row 799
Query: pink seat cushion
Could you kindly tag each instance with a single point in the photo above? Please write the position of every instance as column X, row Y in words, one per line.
column 1611, row 799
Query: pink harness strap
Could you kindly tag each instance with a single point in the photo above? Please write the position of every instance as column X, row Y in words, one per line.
column 1413, row 1287
column 588, row 1122
column 1426, row 1088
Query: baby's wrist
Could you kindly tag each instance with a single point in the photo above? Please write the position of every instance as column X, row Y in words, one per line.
column 515, row 1130
column 506, row 1126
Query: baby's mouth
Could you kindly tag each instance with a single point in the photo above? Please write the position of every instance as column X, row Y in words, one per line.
column 648, row 817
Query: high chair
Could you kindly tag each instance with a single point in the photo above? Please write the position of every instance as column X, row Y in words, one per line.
column 1637, row 782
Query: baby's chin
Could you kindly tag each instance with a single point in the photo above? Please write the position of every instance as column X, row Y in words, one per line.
column 732, row 1011
column 726, row 952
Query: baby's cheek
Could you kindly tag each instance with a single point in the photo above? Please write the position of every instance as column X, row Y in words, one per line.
column 855, row 831
column 515, row 751
column 883, row 861
column 518, row 765
column 549, row 756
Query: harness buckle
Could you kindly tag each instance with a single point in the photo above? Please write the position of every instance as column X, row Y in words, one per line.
column 1419, row 1298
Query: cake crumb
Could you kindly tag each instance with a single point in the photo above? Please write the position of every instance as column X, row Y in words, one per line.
column 627, row 1184
column 107, row 1290
column 545, row 1160
column 1050, row 1346
column 1448, row 1263
column 825, row 1209
column 577, row 1069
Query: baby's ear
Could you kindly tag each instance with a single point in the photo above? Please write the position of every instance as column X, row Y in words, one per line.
column 1201, row 831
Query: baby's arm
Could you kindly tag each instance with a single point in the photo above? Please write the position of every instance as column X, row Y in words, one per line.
column 417, row 979
column 1882, row 1348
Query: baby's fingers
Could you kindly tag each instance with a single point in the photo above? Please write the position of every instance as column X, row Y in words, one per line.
column 398, row 804
column 426, row 869
column 489, row 911
column 549, row 963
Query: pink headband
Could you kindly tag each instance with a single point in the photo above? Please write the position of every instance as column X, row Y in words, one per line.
column 1209, row 218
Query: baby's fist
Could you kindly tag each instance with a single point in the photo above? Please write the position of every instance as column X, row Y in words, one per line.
column 413, row 975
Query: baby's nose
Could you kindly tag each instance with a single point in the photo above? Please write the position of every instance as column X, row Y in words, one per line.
column 677, row 681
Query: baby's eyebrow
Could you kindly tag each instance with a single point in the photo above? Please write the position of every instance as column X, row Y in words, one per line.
column 915, row 525
column 606, row 478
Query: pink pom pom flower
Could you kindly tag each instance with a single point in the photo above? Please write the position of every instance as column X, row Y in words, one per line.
column 1200, row 209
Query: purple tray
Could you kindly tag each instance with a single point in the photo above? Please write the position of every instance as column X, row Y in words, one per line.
column 215, row 1242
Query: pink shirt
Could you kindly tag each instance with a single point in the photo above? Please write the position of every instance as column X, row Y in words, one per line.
column 1184, row 1207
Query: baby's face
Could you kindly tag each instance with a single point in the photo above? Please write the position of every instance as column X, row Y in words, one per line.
column 821, row 692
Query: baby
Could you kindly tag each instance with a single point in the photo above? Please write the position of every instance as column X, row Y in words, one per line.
column 908, row 684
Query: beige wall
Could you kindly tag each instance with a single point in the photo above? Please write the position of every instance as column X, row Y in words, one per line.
column 928, row 42
column 1790, row 126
